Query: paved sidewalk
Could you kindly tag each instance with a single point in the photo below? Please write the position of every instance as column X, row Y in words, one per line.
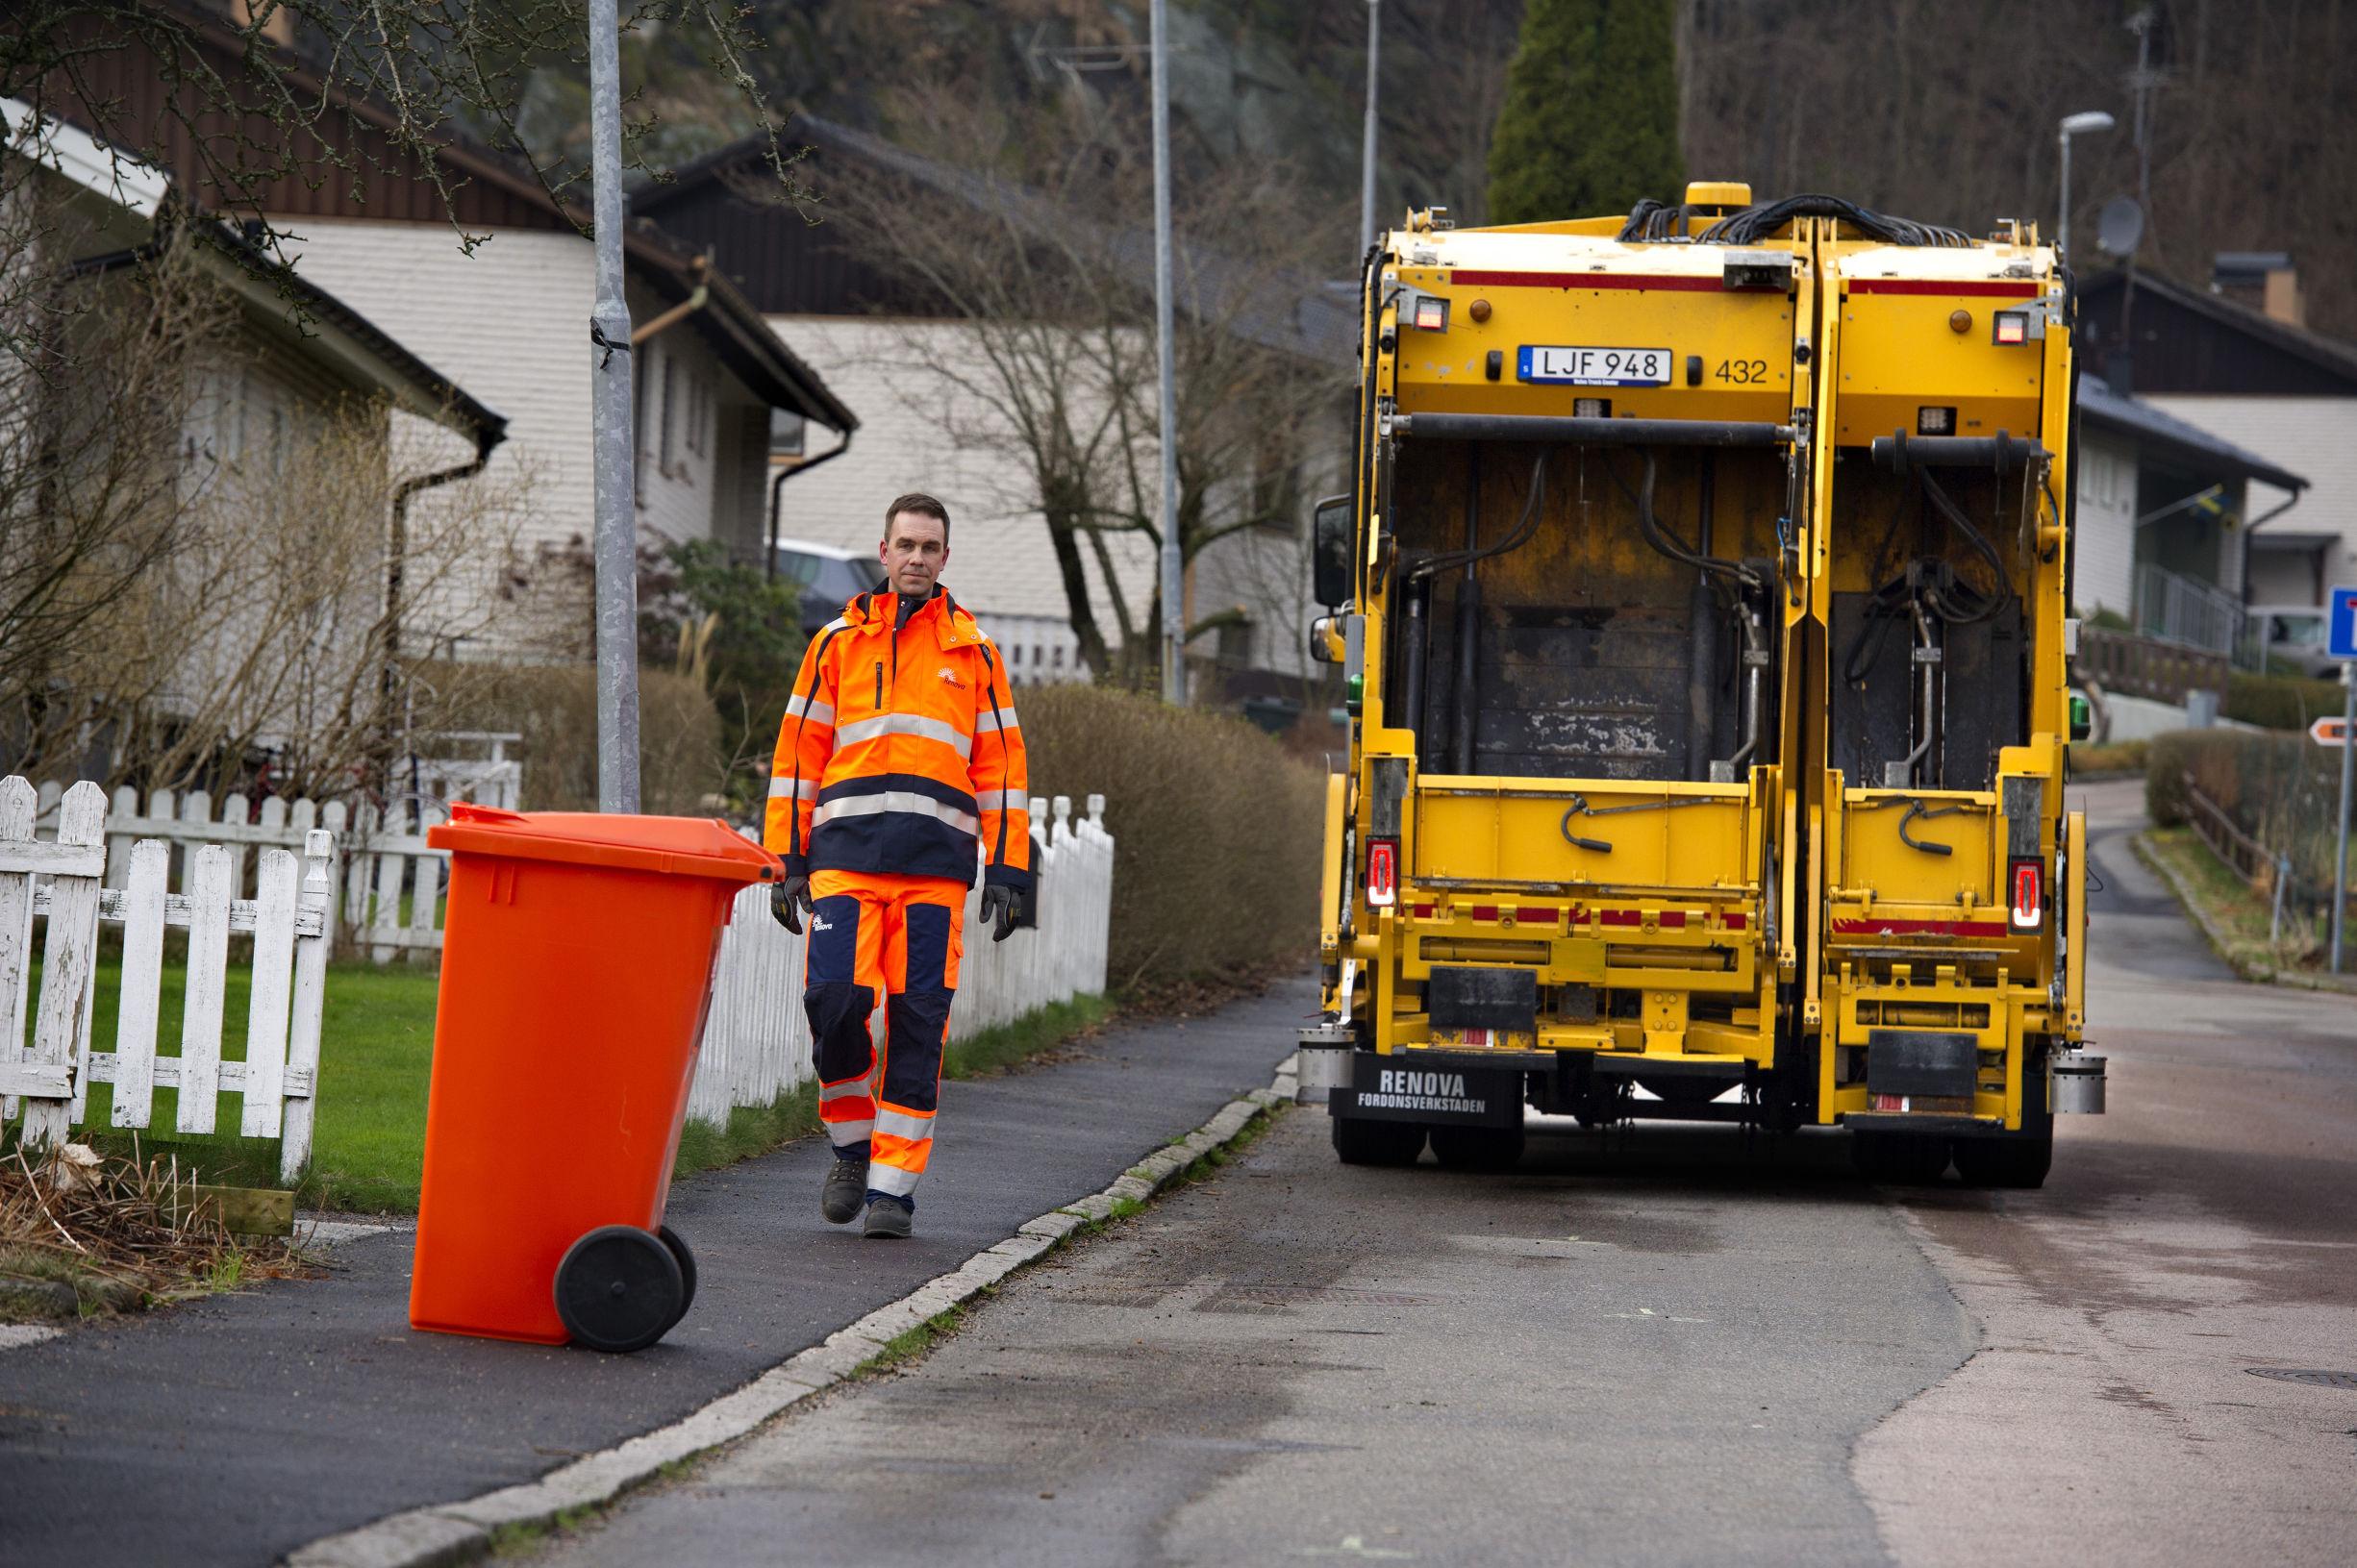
column 236, row 1430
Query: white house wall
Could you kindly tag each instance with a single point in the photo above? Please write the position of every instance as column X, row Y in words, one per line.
column 2104, row 571
column 508, row 323
column 2312, row 436
column 909, row 438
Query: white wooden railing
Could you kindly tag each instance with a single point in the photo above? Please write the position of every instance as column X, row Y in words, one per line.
column 291, row 922
column 757, row 1042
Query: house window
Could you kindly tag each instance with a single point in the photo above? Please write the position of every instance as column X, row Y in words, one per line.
column 640, row 396
column 699, row 416
column 789, row 431
column 669, row 412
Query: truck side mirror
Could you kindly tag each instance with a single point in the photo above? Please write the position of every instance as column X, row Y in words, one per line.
column 1326, row 639
column 1330, row 575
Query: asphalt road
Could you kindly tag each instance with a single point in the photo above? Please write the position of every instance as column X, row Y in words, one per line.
column 234, row 1429
column 1663, row 1345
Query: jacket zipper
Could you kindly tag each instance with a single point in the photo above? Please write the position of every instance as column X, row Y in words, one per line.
column 879, row 686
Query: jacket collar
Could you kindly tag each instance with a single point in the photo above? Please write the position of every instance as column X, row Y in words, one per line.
column 953, row 625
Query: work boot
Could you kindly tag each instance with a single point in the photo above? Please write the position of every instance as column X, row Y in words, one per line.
column 889, row 1218
column 846, row 1186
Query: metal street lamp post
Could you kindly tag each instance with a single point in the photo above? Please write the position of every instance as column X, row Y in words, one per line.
column 1174, row 558
column 2094, row 120
column 1366, row 153
column 617, row 524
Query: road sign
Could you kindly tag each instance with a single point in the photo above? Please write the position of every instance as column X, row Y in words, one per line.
column 2341, row 624
column 2332, row 729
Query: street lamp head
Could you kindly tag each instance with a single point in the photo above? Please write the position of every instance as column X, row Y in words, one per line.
column 2094, row 120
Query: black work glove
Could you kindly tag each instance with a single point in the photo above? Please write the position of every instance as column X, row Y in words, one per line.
column 789, row 899
column 1000, row 905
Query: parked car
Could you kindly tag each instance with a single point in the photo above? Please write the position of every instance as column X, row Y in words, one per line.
column 2292, row 637
column 830, row 577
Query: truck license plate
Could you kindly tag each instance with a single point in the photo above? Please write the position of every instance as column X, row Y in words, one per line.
column 1595, row 366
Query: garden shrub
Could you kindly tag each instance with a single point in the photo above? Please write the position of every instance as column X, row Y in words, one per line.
column 2280, row 701
column 2278, row 788
column 1220, row 830
column 554, row 707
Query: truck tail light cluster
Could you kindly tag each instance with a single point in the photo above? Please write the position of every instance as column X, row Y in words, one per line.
column 1382, row 873
column 2029, row 894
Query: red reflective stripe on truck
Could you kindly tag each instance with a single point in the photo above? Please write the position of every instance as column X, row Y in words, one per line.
column 1944, row 286
column 1686, row 283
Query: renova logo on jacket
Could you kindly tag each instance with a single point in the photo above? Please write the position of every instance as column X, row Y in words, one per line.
column 952, row 677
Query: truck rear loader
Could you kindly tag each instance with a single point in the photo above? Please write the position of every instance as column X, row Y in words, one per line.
column 1702, row 594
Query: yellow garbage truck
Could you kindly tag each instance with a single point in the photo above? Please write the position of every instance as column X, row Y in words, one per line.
column 1633, row 593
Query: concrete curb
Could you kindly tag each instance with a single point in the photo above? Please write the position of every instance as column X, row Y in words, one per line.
column 455, row 1532
column 2255, row 974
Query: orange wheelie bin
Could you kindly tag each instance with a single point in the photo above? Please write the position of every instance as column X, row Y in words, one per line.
column 577, row 968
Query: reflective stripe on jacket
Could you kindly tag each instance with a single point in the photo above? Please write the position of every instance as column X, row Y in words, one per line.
column 900, row 752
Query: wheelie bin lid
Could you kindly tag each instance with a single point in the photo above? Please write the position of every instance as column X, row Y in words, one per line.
column 680, row 845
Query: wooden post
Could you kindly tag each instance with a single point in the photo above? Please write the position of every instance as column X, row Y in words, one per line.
column 275, row 889
column 200, row 1021
column 136, row 1016
column 70, row 958
column 17, row 804
column 317, row 897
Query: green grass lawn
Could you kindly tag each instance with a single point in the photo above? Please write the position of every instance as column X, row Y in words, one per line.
column 2241, row 917
column 376, row 1056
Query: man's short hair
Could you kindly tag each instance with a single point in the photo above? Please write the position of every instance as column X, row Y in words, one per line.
column 921, row 503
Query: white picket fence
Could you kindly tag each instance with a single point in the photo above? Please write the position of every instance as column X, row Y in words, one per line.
column 757, row 1042
column 386, row 857
column 81, row 880
column 174, row 865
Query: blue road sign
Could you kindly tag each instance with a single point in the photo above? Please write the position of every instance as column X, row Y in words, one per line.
column 2342, row 623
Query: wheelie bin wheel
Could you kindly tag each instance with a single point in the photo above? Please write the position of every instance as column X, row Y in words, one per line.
column 1477, row 1148
column 620, row 1289
column 686, row 1272
column 1360, row 1140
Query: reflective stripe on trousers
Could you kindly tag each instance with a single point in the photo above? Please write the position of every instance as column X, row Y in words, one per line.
column 899, row 940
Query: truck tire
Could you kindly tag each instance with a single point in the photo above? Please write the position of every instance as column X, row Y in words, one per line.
column 1477, row 1148
column 1907, row 1160
column 1360, row 1140
column 2015, row 1159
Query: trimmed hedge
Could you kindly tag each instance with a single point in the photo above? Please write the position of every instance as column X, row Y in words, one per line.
column 2280, row 701
column 1220, row 830
column 2281, row 789
column 555, row 708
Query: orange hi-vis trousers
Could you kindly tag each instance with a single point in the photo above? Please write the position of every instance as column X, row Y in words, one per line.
column 898, row 939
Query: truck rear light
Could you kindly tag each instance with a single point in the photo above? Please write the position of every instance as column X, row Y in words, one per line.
column 2011, row 326
column 1935, row 421
column 1431, row 314
column 1591, row 407
column 1382, row 873
column 2029, row 896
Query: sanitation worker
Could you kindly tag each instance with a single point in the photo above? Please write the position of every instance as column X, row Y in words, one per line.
column 898, row 768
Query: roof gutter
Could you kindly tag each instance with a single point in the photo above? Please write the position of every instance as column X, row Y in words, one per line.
column 777, row 485
column 488, row 438
column 699, row 269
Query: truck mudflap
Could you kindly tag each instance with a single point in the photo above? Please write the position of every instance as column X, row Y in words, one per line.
column 1398, row 1088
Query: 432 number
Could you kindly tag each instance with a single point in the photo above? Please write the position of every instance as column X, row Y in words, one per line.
column 1742, row 372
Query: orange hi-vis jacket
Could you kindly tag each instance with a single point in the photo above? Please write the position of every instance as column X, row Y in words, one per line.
column 899, row 752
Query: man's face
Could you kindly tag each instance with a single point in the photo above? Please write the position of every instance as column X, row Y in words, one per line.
column 915, row 548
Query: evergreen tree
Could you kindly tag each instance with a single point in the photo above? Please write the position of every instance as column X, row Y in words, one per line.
column 1590, row 118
